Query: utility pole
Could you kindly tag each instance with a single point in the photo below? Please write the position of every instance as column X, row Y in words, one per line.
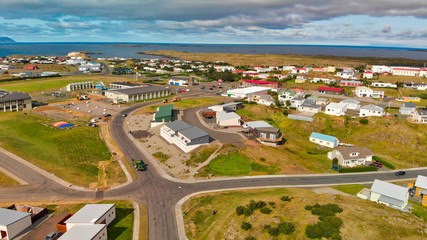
column 51, row 189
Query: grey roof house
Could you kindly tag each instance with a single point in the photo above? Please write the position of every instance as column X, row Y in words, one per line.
column 408, row 108
column 351, row 156
column 183, row 135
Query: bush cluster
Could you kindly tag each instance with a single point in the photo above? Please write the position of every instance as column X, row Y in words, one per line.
column 250, row 208
column 364, row 121
column 266, row 210
column 285, row 198
column 329, row 225
column 285, row 228
column 250, row 238
column 358, row 169
column 246, row 226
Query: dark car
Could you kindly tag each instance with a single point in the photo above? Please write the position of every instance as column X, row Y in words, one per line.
column 53, row 235
column 124, row 115
column 107, row 115
column 210, row 88
column 400, row 173
column 202, row 87
column 89, row 124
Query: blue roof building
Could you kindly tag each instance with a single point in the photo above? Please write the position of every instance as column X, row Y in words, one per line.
column 324, row 140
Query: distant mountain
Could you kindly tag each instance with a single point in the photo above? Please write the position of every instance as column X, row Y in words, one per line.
column 6, row 40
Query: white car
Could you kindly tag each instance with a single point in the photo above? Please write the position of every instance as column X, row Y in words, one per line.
column 93, row 120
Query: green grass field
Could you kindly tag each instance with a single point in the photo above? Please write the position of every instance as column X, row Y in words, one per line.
column 394, row 139
column 350, row 189
column 362, row 219
column 75, row 155
column 200, row 156
column 6, row 180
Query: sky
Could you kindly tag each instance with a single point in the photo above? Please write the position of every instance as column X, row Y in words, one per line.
column 311, row 22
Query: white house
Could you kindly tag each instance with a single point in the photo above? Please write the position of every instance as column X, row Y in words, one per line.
column 286, row 94
column 371, row 111
column 183, row 135
column 324, row 140
column 319, row 101
column 404, row 71
column 309, row 106
column 337, row 109
column 92, row 214
column 296, row 102
column 368, row 92
column 351, row 104
column 392, row 195
column 86, row 232
column 323, row 80
column 368, row 74
column 420, row 116
column 246, row 92
column 380, row 68
column 383, row 85
column 264, row 99
column 227, row 119
column 408, row 108
column 12, row 223
column 351, row 156
column 299, row 70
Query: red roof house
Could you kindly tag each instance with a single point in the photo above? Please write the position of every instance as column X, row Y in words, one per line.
column 330, row 90
column 31, row 67
column 258, row 83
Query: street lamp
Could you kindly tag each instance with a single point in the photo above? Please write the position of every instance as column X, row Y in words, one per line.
column 51, row 189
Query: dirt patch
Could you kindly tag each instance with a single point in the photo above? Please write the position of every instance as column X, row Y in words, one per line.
column 141, row 134
column 59, row 113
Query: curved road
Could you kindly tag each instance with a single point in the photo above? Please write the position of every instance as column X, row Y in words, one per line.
column 157, row 193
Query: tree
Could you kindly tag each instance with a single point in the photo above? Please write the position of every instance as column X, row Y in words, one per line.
column 288, row 103
column 364, row 121
column 246, row 226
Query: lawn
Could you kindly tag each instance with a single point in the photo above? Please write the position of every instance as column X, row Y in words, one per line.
column 6, row 180
column 419, row 210
column 162, row 157
column 77, row 155
column 234, row 162
column 350, row 189
column 200, row 156
column 362, row 219
column 401, row 143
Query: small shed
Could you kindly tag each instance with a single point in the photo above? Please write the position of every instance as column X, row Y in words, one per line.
column 13, row 222
column 324, row 140
column 227, row 119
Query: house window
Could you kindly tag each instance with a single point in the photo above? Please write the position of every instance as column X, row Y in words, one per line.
column 272, row 136
column 263, row 135
column 354, row 154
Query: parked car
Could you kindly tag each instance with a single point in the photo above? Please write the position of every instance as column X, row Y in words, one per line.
column 124, row 115
column 107, row 115
column 376, row 164
column 400, row 173
column 202, row 87
column 89, row 124
column 94, row 125
column 53, row 235
column 93, row 121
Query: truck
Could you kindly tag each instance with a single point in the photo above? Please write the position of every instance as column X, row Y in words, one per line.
column 139, row 165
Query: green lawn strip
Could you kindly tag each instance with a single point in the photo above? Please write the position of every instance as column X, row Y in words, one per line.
column 6, row 180
column 236, row 164
column 352, row 189
column 122, row 227
column 143, row 227
column 200, row 156
column 71, row 154
column 162, row 157
column 419, row 210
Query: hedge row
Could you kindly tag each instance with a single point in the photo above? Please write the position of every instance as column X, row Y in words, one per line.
column 384, row 162
column 358, row 169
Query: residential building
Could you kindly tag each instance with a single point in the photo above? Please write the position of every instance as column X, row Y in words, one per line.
column 380, row 68
column 299, row 70
column 227, row 119
column 86, row 232
column 421, row 187
column 319, row 101
column 331, row 69
column 351, row 156
column 351, row 104
column 300, row 79
column 227, row 107
column 183, row 135
column 391, row 195
column 123, row 85
column 418, row 86
column 31, row 67
column 120, row 70
column 264, row 99
column 351, row 83
column 330, row 90
column 182, row 81
column 336, row 109
column 368, row 92
column 371, row 111
column 368, row 74
column 286, row 95
column 383, row 85
column 13, row 223
column 408, row 108
column 296, row 102
column 269, row 136
column 419, row 116
column 310, row 107
column 256, row 124
column 346, row 74
column 79, row 86
column 323, row 80
column 92, row 214
column 137, row 94
column 246, row 92
column 324, row 140
column 402, row 71
column 14, row 101
column 258, row 83
column 90, row 67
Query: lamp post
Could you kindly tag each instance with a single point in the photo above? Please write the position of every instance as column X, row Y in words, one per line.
column 51, row 189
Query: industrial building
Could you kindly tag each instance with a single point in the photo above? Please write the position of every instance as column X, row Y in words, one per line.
column 137, row 94
column 123, row 85
column 79, row 86
column 183, row 135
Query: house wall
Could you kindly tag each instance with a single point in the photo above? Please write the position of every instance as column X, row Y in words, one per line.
column 335, row 111
column 229, row 122
column 108, row 217
column 165, row 134
column 13, row 106
column 324, row 143
column 102, row 235
column 369, row 113
column 15, row 228
column 353, row 106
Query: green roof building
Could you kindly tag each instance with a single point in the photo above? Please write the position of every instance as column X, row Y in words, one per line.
column 164, row 113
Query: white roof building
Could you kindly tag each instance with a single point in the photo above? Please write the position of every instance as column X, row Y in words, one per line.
column 13, row 222
column 351, row 104
column 389, row 194
column 245, row 92
column 86, row 232
column 337, row 109
column 93, row 214
column 371, row 111
column 227, row 119
column 257, row 124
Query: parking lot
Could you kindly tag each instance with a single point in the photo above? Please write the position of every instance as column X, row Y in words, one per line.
column 92, row 108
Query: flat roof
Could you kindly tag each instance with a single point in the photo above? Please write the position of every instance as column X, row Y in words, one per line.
column 82, row 232
column 336, row 105
column 373, row 108
column 258, row 124
column 421, row 182
column 8, row 216
column 126, row 84
column 178, row 125
column 139, row 90
column 323, row 137
column 90, row 213
column 248, row 90
column 222, row 116
column 193, row 133
column 164, row 111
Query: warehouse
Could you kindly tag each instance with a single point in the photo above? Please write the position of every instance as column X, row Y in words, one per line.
column 79, row 86
column 137, row 94
column 246, row 92
column 162, row 115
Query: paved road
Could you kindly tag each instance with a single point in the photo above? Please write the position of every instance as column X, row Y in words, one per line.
column 154, row 191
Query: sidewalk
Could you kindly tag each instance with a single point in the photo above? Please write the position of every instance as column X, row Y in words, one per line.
column 13, row 176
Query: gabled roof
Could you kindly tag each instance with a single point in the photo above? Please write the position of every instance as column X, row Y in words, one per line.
column 222, row 116
column 8, row 216
column 164, row 111
column 258, row 81
column 13, row 96
column 83, row 232
column 372, row 108
column 336, row 105
column 193, row 133
column 409, row 105
column 421, row 182
column 178, row 125
column 140, row 90
column 330, row 89
column 90, row 213
column 350, row 101
column 390, row 190
column 323, row 137
column 346, row 152
column 318, row 99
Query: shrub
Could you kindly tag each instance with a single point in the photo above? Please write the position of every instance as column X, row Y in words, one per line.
column 293, row 108
column 262, row 159
column 267, row 227
column 240, row 210
column 286, row 228
column 384, row 162
column 266, row 210
column 246, row 226
column 288, row 103
column 274, row 231
column 364, row 121
column 358, row 169
column 308, row 207
column 250, row 238
column 271, row 203
column 256, row 205
column 285, row 198
column 285, row 112
column 247, row 212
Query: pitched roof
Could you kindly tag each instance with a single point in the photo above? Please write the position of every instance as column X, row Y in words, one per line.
column 390, row 190
column 351, row 101
column 222, row 116
column 178, row 125
column 164, row 111
column 323, row 137
column 90, row 213
column 140, row 90
column 13, row 96
column 409, row 105
column 193, row 133
column 258, row 124
column 346, row 152
column 83, row 232
column 330, row 89
column 318, row 99
column 421, row 182
column 8, row 216
column 336, row 105
column 268, row 129
column 372, row 108
column 258, row 81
